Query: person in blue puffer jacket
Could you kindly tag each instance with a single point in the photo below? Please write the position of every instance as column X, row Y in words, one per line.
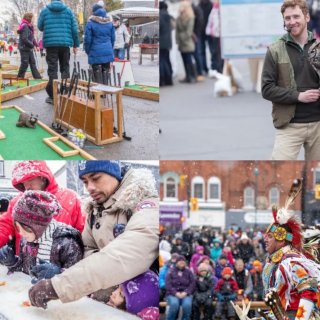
column 60, row 33
column 98, row 43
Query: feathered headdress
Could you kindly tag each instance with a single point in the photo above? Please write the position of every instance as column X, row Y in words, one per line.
column 286, row 225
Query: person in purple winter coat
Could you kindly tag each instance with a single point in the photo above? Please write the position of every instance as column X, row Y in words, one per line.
column 47, row 246
column 196, row 257
column 180, row 285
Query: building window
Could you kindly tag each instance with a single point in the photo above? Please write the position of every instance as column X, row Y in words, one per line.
column 274, row 196
column 248, row 197
column 1, row 168
column 198, row 188
column 170, row 188
column 214, row 189
column 316, row 175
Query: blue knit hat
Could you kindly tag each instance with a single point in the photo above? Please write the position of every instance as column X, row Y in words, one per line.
column 110, row 167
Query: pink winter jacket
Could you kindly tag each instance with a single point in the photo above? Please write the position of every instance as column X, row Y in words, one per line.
column 71, row 207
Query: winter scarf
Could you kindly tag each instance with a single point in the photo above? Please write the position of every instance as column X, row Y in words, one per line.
column 28, row 23
column 46, row 240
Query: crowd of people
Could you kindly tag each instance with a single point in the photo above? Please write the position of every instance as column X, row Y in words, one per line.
column 197, row 27
column 106, row 38
column 213, row 267
column 109, row 251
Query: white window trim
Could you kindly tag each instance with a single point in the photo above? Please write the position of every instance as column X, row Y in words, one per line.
column 197, row 180
column 244, row 197
column 278, row 192
column 214, row 180
column 165, row 198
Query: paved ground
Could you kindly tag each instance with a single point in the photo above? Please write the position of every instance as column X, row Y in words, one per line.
column 141, row 116
column 195, row 125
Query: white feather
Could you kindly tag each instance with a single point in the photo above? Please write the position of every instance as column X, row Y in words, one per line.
column 283, row 216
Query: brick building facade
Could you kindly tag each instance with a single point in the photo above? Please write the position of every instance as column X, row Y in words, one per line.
column 224, row 189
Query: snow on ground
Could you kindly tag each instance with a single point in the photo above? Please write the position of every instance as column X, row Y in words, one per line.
column 15, row 292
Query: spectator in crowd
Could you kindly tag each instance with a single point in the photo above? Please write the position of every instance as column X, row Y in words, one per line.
column 165, row 243
column 122, row 38
column 256, row 275
column 10, row 48
column 220, row 265
column 181, row 247
column 196, row 257
column 163, row 274
column 185, row 42
column 228, row 253
column 60, row 32
column 166, row 27
column 213, row 31
column 243, row 278
column 98, row 43
column 245, row 247
column 258, row 249
column 216, row 250
column 226, row 291
column 27, row 43
column 206, row 7
column 197, row 29
column 36, row 175
column 121, row 235
column 203, row 294
column 180, row 284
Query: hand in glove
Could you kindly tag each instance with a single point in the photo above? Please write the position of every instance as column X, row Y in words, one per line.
column 7, row 257
column 44, row 270
column 41, row 293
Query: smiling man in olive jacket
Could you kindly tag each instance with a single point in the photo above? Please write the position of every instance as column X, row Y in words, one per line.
column 121, row 235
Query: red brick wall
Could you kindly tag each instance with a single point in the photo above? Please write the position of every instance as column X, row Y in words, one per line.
column 236, row 175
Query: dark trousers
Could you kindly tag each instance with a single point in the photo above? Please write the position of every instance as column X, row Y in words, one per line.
column 198, row 58
column 215, row 52
column 55, row 55
column 100, row 73
column 27, row 58
column 208, row 310
column 165, row 68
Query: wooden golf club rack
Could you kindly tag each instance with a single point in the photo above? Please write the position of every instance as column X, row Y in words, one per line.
column 89, row 110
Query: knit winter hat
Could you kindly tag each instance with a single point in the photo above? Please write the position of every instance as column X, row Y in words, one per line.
column 180, row 258
column 199, row 248
column 109, row 167
column 97, row 6
column 257, row 263
column 204, row 267
column 35, row 209
column 227, row 270
column 141, row 292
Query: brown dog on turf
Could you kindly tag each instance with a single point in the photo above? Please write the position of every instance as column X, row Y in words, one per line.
column 26, row 120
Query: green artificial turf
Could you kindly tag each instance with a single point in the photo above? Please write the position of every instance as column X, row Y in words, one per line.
column 143, row 88
column 26, row 143
column 23, row 84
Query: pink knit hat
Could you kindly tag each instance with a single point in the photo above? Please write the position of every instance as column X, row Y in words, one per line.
column 35, row 209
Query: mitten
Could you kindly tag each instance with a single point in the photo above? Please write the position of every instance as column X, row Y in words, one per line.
column 41, row 293
column 8, row 257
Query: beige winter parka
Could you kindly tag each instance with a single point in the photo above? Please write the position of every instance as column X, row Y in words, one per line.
column 110, row 261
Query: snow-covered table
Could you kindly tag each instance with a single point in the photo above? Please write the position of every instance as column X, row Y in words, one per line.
column 15, row 292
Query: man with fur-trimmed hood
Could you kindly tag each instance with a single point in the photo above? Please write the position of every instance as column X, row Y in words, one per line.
column 121, row 235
